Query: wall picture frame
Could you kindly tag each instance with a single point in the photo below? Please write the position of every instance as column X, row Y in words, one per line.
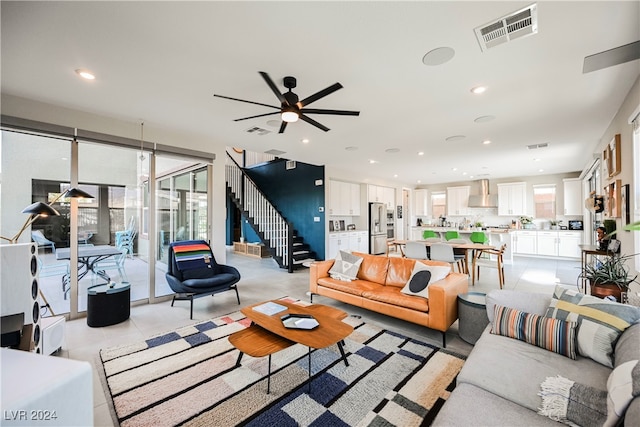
column 625, row 206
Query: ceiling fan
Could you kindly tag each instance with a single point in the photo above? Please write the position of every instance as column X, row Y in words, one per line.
column 291, row 108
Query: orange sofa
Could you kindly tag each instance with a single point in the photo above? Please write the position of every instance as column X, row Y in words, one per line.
column 377, row 288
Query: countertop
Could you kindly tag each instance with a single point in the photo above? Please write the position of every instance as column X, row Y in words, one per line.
column 488, row 230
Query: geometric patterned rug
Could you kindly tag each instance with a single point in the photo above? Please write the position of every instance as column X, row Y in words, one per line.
column 188, row 377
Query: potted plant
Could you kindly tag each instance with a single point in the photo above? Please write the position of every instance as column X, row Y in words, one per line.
column 609, row 276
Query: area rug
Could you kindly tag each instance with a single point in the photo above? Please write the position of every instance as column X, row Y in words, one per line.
column 188, row 377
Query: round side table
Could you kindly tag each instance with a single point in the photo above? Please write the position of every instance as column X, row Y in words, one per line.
column 108, row 305
column 472, row 316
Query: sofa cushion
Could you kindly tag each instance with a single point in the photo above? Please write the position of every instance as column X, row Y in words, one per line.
column 514, row 369
column 601, row 322
column 354, row 287
column 400, row 270
column 551, row 334
column 422, row 276
column 628, row 346
column 622, row 386
column 373, row 268
column 392, row 295
column 345, row 267
column 469, row 405
column 524, row 301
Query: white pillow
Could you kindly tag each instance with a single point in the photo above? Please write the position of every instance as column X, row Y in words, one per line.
column 345, row 267
column 422, row 276
column 620, row 391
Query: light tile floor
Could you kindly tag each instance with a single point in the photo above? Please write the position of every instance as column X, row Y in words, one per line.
column 262, row 280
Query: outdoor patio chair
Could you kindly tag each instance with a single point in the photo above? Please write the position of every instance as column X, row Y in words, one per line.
column 115, row 262
column 192, row 272
column 43, row 242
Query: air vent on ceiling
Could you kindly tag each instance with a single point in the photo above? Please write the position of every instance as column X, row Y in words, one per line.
column 275, row 152
column 258, row 130
column 534, row 146
column 291, row 164
column 523, row 22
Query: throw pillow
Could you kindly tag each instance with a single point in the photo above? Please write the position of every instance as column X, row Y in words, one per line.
column 422, row 276
column 551, row 334
column 572, row 403
column 345, row 267
column 620, row 390
column 600, row 321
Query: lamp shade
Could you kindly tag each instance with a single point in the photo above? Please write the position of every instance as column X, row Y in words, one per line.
column 76, row 193
column 39, row 208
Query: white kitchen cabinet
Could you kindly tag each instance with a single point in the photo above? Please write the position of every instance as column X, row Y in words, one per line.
column 573, row 200
column 568, row 244
column 386, row 195
column 512, row 199
column 525, row 242
column 337, row 242
column 344, row 198
column 547, row 243
column 421, row 202
column 457, row 200
column 358, row 241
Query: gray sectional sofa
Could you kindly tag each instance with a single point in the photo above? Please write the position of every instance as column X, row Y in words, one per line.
column 500, row 382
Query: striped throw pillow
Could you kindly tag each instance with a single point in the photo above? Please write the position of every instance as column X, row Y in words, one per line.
column 551, row 334
column 601, row 322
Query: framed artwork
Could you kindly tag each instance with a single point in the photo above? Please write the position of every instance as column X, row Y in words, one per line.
column 611, row 160
column 624, row 206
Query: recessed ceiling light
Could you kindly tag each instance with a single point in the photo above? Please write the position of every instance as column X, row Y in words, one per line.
column 454, row 169
column 464, row 173
column 470, row 176
column 484, row 119
column 478, row 89
column 540, row 170
column 438, row 56
column 486, row 142
column 371, row 161
column 455, row 138
column 395, row 175
column 419, row 181
column 420, row 153
column 351, row 148
column 305, row 140
column 536, row 160
column 85, row 74
column 392, row 150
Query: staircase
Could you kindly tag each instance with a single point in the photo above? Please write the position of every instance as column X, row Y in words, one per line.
column 278, row 235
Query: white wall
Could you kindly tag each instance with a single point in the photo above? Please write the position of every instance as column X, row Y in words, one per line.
column 620, row 125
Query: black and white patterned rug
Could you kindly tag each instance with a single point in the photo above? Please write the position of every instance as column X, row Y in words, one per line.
column 188, row 377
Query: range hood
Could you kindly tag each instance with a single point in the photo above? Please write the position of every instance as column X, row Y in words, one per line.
column 484, row 199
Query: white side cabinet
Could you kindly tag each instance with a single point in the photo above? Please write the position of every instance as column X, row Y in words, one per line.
column 547, row 243
column 525, row 242
column 457, row 200
column 421, row 202
column 573, row 199
column 358, row 241
column 337, row 242
column 568, row 244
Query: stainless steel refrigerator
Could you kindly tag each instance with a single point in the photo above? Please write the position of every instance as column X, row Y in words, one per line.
column 377, row 228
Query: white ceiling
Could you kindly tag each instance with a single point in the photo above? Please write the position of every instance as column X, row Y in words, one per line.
column 161, row 62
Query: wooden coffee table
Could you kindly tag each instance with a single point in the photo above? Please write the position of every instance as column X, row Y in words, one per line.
column 267, row 334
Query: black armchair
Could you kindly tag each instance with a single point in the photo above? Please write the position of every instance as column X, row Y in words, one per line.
column 193, row 272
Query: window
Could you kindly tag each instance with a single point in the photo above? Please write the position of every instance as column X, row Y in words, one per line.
column 438, row 204
column 544, row 200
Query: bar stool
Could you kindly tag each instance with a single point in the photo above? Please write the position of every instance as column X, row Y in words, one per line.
column 448, row 235
column 426, row 234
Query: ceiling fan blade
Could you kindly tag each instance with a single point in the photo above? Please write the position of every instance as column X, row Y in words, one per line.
column 248, row 102
column 274, row 88
column 283, row 126
column 313, row 122
column 324, row 92
column 259, row 115
column 336, row 112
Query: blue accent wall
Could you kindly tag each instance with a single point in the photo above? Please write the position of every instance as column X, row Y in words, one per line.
column 295, row 194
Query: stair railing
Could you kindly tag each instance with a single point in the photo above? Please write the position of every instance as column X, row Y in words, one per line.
column 276, row 231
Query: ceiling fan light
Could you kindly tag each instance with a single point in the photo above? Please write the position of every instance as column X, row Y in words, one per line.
column 290, row 116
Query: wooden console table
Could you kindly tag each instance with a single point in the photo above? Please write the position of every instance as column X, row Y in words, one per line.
column 588, row 250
